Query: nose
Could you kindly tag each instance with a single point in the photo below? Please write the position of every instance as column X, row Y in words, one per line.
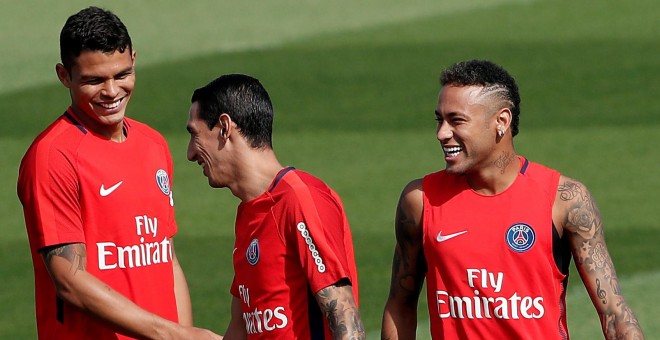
column 110, row 89
column 444, row 132
column 190, row 153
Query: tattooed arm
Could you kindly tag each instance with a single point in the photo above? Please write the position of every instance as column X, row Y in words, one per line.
column 576, row 214
column 408, row 267
column 66, row 264
column 338, row 305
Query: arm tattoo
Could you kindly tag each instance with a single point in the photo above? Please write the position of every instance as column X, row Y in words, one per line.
column 582, row 222
column 75, row 253
column 600, row 292
column 583, row 216
column 338, row 306
column 408, row 268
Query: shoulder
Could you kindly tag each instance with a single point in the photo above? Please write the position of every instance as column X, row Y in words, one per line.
column 574, row 208
column 60, row 133
column 59, row 140
column 145, row 130
column 570, row 190
column 298, row 190
column 411, row 202
column 303, row 183
column 413, row 190
column 543, row 178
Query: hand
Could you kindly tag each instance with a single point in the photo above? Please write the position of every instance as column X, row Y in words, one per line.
column 198, row 334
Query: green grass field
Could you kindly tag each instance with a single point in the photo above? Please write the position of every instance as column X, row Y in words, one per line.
column 354, row 87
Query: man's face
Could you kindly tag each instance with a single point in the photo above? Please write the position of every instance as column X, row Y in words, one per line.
column 205, row 146
column 101, row 85
column 466, row 128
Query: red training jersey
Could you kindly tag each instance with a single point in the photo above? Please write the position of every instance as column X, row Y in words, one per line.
column 116, row 198
column 496, row 266
column 291, row 242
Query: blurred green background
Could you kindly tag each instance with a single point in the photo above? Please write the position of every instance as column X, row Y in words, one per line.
column 354, row 86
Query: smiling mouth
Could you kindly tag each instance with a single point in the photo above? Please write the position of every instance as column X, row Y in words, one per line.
column 452, row 151
column 111, row 105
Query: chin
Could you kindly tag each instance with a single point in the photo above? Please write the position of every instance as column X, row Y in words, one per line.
column 112, row 119
column 453, row 169
column 214, row 184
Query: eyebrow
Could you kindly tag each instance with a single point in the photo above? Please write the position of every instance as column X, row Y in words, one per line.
column 125, row 71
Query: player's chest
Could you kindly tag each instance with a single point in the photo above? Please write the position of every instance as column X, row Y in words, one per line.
column 117, row 177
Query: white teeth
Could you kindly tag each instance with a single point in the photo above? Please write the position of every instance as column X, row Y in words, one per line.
column 111, row 106
column 453, row 151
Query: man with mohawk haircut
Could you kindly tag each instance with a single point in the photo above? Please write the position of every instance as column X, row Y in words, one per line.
column 493, row 233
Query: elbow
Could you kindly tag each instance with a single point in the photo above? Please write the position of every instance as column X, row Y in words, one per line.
column 65, row 291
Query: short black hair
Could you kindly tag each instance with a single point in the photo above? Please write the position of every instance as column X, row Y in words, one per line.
column 487, row 74
column 92, row 29
column 246, row 102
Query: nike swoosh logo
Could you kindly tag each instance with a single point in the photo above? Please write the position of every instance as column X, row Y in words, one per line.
column 105, row 192
column 442, row 238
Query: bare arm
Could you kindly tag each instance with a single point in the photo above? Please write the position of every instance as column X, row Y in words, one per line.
column 408, row 267
column 181, row 293
column 66, row 265
column 236, row 329
column 338, row 305
column 576, row 212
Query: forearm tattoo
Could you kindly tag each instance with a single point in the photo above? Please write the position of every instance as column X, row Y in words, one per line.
column 338, row 306
column 75, row 253
column 583, row 223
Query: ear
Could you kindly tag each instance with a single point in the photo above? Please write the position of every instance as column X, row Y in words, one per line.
column 63, row 75
column 226, row 125
column 133, row 55
column 503, row 119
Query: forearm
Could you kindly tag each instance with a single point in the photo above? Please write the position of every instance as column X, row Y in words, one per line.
column 398, row 323
column 339, row 307
column 66, row 265
column 236, row 328
column 621, row 323
column 182, row 295
column 346, row 324
column 97, row 299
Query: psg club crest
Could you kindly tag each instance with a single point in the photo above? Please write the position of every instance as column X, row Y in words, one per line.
column 163, row 181
column 520, row 237
column 252, row 253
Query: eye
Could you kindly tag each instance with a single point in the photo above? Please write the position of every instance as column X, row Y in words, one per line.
column 122, row 75
column 92, row 81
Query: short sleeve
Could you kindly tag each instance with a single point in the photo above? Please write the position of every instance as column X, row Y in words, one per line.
column 315, row 231
column 48, row 189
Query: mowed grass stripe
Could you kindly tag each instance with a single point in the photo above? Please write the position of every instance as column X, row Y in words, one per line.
column 386, row 87
column 175, row 30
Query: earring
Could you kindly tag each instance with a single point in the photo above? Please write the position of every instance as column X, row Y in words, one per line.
column 500, row 133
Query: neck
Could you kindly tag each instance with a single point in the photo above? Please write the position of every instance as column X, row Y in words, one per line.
column 496, row 176
column 255, row 174
column 113, row 132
